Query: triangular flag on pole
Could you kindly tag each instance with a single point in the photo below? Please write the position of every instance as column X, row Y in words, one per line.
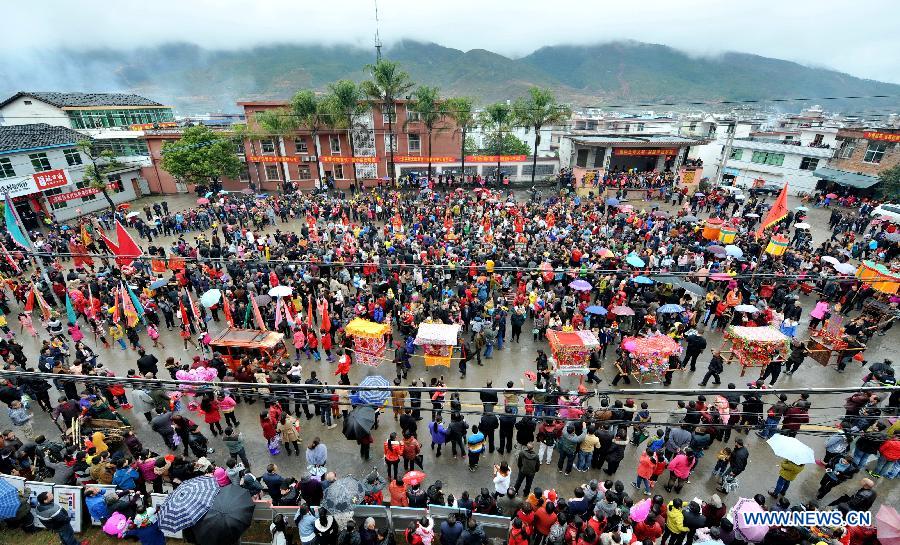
column 136, row 301
column 90, row 310
column 29, row 302
column 131, row 315
column 46, row 311
column 70, row 310
column 185, row 319
column 309, row 312
column 257, row 315
column 778, row 212
column 278, row 315
column 126, row 249
column 226, row 309
column 12, row 226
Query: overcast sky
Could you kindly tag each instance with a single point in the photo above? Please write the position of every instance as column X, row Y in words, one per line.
column 859, row 37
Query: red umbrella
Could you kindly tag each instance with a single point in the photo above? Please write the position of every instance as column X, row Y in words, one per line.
column 831, row 196
column 414, row 477
column 887, row 521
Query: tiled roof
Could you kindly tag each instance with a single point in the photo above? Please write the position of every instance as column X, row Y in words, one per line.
column 62, row 100
column 36, row 135
column 808, row 151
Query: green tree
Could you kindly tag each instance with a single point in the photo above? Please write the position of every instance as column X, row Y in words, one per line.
column 889, row 186
column 497, row 118
column 201, row 157
column 311, row 112
column 431, row 110
column 388, row 83
column 509, row 145
column 462, row 111
column 279, row 123
column 102, row 163
column 540, row 108
column 344, row 102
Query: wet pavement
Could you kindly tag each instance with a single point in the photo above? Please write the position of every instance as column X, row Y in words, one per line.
column 510, row 363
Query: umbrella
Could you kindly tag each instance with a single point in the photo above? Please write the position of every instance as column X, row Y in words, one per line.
column 699, row 194
column 342, row 495
column 640, row 510
column 359, row 422
column 746, row 308
column 210, row 298
column 132, row 214
column 202, row 200
column 612, row 201
column 748, row 532
column 696, row 289
column 634, row 260
column 123, row 206
column 792, row 449
column 621, row 310
column 263, row 300
column 801, row 209
column 210, row 194
column 158, row 283
column 893, row 237
column 413, row 477
column 625, row 207
column 715, row 249
column 247, row 191
column 229, row 517
column 671, row 309
column 374, row 397
column 580, row 285
column 845, row 268
column 720, row 277
column 831, row 196
column 802, row 225
column 887, row 523
column 660, row 214
column 596, row 309
column 751, row 215
column 281, row 291
column 605, row 253
column 187, row 504
column 641, row 279
column 829, row 259
column 734, row 251
column 689, row 219
column 9, row 500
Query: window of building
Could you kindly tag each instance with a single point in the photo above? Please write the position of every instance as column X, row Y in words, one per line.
column 72, row 156
column 6, row 168
column 389, row 115
column 300, row 145
column 875, row 152
column 736, row 154
column 809, row 163
column 40, row 162
column 56, row 205
column 846, row 147
column 693, row 126
column 640, row 127
column 415, row 142
column 27, row 102
column 412, row 115
column 334, row 144
column 239, row 147
column 581, row 158
column 768, row 158
column 817, row 141
column 115, row 183
column 542, row 169
column 599, row 154
column 272, row 172
column 338, row 171
column 390, row 142
column 84, row 184
column 303, row 172
column 245, row 172
column 268, row 146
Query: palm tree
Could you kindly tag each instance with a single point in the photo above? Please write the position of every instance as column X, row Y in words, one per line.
column 311, row 112
column 388, row 82
column 497, row 117
column 462, row 112
column 102, row 163
column 431, row 112
column 344, row 103
column 279, row 123
column 538, row 109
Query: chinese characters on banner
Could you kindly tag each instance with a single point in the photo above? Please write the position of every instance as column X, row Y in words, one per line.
column 887, row 137
column 148, row 126
column 645, row 151
column 50, row 179
column 495, row 158
column 272, row 159
column 423, row 159
column 348, row 160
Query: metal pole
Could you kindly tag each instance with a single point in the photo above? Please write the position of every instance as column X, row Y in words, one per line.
column 726, row 153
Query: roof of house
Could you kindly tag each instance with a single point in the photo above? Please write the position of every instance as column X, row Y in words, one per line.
column 36, row 135
column 783, row 148
column 845, row 178
column 69, row 100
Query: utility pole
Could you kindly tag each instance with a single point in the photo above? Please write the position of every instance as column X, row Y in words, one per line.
column 726, row 153
column 377, row 38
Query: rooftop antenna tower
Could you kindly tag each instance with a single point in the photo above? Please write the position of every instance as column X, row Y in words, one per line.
column 377, row 37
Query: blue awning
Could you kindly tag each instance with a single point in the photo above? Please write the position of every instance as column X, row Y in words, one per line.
column 848, row 179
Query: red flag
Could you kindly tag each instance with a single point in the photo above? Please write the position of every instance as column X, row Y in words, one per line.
column 326, row 319
column 126, row 250
column 185, row 319
column 29, row 303
column 90, row 311
column 309, row 312
column 226, row 309
column 778, row 212
column 257, row 315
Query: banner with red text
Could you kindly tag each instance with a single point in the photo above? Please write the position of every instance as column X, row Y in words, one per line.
column 495, row 158
column 348, row 160
column 645, row 151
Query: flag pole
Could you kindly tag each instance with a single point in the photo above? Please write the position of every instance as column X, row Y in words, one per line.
column 18, row 220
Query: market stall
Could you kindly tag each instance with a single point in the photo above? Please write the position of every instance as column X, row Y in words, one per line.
column 754, row 346
column 437, row 340
column 571, row 350
column 369, row 341
column 650, row 356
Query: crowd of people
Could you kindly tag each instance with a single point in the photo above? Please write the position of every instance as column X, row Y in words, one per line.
column 494, row 263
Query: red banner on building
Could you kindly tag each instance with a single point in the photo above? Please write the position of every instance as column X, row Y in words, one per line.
column 424, row 159
column 79, row 193
column 272, row 159
column 645, row 151
column 348, row 160
column 495, row 158
column 886, row 136
column 148, row 126
column 50, row 179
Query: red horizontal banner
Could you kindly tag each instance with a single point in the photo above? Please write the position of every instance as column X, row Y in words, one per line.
column 645, row 151
column 78, row 193
column 272, row 159
column 424, row 159
column 347, row 160
column 886, row 136
column 148, row 126
column 495, row 158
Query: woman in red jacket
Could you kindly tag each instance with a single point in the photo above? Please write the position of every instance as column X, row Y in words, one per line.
column 645, row 468
column 518, row 534
column 393, row 449
column 268, row 428
column 211, row 415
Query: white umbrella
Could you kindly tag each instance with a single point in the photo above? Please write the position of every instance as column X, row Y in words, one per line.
column 746, row 308
column 132, row 214
column 792, row 449
column 751, row 215
column 210, row 298
column 281, row 291
column 829, row 259
column 801, row 209
column 845, row 268
column 801, row 225
column 734, row 251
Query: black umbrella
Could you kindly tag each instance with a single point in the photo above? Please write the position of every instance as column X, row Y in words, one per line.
column 228, row 518
column 359, row 422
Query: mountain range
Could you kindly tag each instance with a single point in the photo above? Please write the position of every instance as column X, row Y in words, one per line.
column 197, row 80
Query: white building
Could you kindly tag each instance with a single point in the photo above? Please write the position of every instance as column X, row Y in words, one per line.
column 43, row 172
column 774, row 163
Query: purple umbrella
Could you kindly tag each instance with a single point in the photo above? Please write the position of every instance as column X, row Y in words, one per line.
column 580, row 285
column 751, row 533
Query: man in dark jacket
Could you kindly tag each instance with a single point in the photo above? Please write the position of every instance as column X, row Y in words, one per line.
column 739, row 457
column 696, row 344
column 693, row 520
column 715, row 367
column 507, row 425
column 54, row 517
column 451, row 530
column 146, row 363
column 528, row 465
column 473, row 534
column 489, row 398
column 488, row 424
column 863, row 498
